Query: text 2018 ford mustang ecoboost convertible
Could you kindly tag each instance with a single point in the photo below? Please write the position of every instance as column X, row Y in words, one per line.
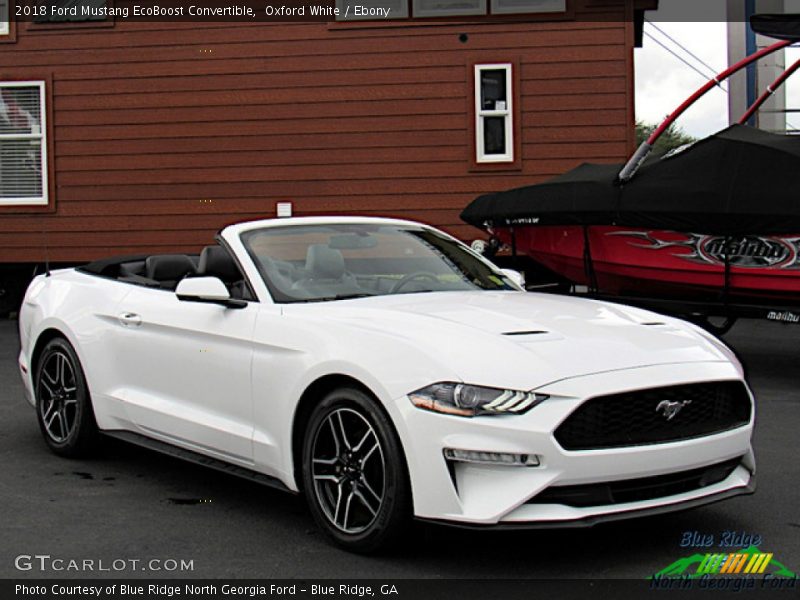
column 387, row 371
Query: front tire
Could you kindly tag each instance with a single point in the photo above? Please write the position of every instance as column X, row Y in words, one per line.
column 354, row 473
column 63, row 405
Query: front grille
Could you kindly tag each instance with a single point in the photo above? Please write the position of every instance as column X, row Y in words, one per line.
column 634, row 418
column 636, row 490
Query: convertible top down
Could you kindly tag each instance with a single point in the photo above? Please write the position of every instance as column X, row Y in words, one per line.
column 386, row 371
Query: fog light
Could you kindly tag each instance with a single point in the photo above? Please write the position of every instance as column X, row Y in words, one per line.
column 492, row 458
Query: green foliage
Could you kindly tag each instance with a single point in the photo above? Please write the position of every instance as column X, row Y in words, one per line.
column 673, row 137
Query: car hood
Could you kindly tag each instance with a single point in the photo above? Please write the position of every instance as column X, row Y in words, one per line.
column 522, row 340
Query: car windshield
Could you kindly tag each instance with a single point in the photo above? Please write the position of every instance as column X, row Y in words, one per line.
column 316, row 263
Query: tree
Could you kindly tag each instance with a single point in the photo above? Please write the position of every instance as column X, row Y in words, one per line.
column 673, row 137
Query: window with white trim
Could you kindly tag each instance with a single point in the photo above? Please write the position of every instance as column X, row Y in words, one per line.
column 509, row 7
column 494, row 127
column 23, row 144
column 448, row 8
column 4, row 29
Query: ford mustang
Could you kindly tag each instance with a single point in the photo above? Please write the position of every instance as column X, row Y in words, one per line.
column 386, row 371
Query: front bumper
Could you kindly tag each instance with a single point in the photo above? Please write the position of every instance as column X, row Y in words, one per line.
column 525, row 522
column 27, row 378
column 485, row 495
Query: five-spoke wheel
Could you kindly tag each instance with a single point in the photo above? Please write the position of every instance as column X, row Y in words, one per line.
column 63, row 405
column 353, row 471
column 348, row 470
column 57, row 389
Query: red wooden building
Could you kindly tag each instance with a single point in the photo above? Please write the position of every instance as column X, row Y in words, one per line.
column 121, row 136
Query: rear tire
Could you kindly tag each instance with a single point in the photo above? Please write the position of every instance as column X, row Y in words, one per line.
column 354, row 473
column 63, row 405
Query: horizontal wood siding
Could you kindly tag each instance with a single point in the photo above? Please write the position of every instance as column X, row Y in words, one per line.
column 166, row 132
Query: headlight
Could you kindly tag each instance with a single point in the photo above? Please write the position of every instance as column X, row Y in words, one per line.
column 471, row 400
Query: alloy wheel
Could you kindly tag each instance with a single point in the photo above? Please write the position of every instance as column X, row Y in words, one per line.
column 58, row 402
column 348, row 470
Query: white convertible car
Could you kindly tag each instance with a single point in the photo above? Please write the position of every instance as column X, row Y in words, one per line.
column 387, row 371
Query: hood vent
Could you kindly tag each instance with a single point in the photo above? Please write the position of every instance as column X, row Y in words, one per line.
column 532, row 332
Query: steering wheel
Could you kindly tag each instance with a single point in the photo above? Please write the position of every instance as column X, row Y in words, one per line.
column 406, row 279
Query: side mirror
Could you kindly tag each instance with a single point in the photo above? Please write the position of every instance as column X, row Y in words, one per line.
column 206, row 289
column 515, row 276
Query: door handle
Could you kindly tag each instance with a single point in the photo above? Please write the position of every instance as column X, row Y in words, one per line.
column 129, row 319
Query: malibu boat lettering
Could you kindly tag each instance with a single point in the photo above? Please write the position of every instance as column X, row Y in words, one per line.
column 748, row 251
column 783, row 316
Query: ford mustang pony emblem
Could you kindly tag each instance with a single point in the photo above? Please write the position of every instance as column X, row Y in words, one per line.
column 670, row 408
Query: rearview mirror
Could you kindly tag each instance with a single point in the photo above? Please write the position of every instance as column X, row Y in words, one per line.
column 206, row 289
column 352, row 241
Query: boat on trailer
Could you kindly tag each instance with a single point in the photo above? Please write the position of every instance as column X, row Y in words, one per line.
column 711, row 229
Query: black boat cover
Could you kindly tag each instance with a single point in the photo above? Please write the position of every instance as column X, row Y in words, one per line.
column 738, row 181
column 586, row 194
column 782, row 27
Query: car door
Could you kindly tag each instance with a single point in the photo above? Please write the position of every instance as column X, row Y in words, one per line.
column 188, row 371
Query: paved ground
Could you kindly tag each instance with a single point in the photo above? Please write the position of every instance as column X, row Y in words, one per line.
column 137, row 504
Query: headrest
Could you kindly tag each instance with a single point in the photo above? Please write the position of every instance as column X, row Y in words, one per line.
column 169, row 267
column 216, row 262
column 323, row 262
column 132, row 268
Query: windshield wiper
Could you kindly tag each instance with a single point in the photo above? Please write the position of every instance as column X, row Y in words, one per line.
column 336, row 297
column 419, row 292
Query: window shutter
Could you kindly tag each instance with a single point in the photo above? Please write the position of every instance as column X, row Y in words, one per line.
column 20, row 177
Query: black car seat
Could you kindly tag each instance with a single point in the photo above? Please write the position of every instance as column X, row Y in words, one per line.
column 134, row 272
column 132, row 268
column 169, row 269
column 215, row 261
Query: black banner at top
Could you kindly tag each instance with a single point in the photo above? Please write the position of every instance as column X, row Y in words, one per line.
column 374, row 11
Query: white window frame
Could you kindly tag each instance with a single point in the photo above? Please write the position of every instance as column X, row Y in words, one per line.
column 420, row 12
column 42, row 136
column 5, row 10
column 544, row 6
column 481, row 114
